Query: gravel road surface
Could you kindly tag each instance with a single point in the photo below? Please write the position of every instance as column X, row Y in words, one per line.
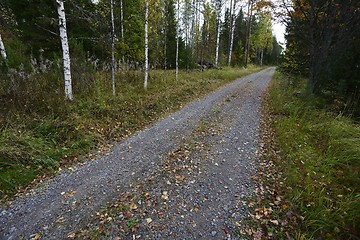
column 212, row 143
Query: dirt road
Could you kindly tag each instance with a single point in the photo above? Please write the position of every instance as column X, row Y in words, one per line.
column 199, row 161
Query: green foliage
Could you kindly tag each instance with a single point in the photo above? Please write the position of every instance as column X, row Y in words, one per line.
column 323, row 43
column 319, row 153
column 17, row 53
column 262, row 36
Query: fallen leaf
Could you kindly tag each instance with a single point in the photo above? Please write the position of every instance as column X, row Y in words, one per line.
column 133, row 207
column 179, row 178
column 71, row 235
column 36, row 237
column 165, row 195
column 69, row 194
column 276, row 222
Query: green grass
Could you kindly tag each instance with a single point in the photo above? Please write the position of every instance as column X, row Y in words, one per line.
column 40, row 132
column 320, row 156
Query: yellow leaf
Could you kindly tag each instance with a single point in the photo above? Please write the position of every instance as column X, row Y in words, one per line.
column 36, row 237
column 133, row 207
column 71, row 235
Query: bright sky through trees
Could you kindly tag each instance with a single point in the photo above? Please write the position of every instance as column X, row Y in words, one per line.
column 279, row 32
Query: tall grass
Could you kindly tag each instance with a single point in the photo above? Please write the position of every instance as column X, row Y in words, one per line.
column 320, row 153
column 40, row 131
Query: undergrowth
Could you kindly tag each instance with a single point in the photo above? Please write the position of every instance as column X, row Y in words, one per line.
column 320, row 159
column 40, row 131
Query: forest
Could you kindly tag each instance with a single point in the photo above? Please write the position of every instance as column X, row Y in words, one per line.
column 110, row 36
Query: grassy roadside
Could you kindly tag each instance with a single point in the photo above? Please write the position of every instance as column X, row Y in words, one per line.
column 312, row 167
column 41, row 133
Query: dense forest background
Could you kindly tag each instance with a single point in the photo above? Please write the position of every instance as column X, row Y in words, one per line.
column 205, row 33
column 323, row 44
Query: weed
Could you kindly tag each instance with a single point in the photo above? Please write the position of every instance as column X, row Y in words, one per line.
column 320, row 154
column 132, row 223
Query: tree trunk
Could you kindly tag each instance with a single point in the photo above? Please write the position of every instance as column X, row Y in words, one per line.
column 165, row 57
column 232, row 32
column 177, row 42
column 146, row 46
column 65, row 49
column 2, row 49
column 122, row 33
column 248, row 35
column 261, row 56
column 187, row 34
column 112, row 47
column 218, row 34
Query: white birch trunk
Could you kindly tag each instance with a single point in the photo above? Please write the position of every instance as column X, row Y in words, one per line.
column 177, row 42
column 186, row 23
column 232, row 33
column 261, row 56
column 65, row 49
column 193, row 27
column 146, row 46
column 122, row 29
column 165, row 53
column 112, row 47
column 2, row 49
column 217, row 40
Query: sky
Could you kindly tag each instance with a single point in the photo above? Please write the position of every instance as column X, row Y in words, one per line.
column 279, row 32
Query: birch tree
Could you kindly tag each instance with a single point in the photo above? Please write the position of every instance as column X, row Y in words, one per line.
column 146, row 45
column 263, row 35
column 122, row 32
column 65, row 49
column 218, row 8
column 112, row 46
column 232, row 32
column 165, row 29
column 177, row 41
column 2, row 48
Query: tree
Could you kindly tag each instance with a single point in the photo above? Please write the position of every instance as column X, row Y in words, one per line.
column 113, row 37
column 318, row 33
column 224, row 36
column 177, row 41
column 209, row 33
column 2, row 49
column 232, row 13
column 122, row 31
column 239, row 38
column 248, row 32
column 263, row 35
column 218, row 8
column 170, row 33
column 146, row 45
column 36, row 25
column 65, row 49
